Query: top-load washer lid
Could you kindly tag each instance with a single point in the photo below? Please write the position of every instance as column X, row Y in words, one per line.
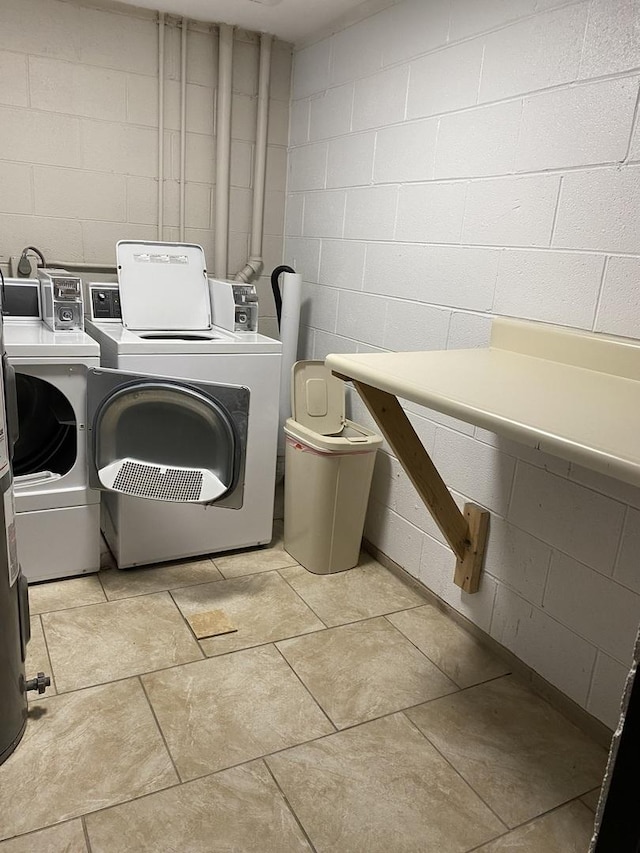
column 163, row 286
column 317, row 397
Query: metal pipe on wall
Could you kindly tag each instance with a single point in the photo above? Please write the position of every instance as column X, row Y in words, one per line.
column 183, row 124
column 255, row 264
column 223, row 152
column 160, row 125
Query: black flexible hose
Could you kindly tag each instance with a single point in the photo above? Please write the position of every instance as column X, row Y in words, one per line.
column 38, row 253
column 275, row 286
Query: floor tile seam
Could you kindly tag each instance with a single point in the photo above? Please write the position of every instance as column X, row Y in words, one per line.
column 290, row 806
column 460, row 776
column 409, row 708
column 258, row 572
column 450, row 677
column 40, row 829
column 422, row 652
column 70, row 607
column 206, row 657
column 106, row 601
column 85, row 831
column 169, row 589
column 46, row 646
column 263, row 643
column 376, row 616
column 160, row 731
column 301, row 597
column 530, row 821
column 306, row 689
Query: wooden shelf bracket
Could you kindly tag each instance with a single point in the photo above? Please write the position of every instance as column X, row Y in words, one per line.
column 466, row 532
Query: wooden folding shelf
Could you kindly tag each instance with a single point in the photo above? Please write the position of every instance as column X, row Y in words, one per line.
column 570, row 393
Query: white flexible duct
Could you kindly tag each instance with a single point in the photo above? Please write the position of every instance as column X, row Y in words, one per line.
column 160, row 125
column 223, row 152
column 183, row 124
column 255, row 265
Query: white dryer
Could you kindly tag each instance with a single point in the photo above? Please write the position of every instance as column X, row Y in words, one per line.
column 182, row 417
column 57, row 513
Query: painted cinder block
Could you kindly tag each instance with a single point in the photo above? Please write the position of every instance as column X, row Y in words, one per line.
column 311, row 69
column 611, row 42
column 308, row 167
column 480, row 472
column 78, row 194
column 470, row 17
column 299, row 126
column 431, row 213
column 626, row 570
column 324, row 214
column 574, row 519
column 578, row 126
column 415, row 326
column 120, row 148
column 406, row 152
column 598, row 210
column 555, row 287
column 38, row 137
column 319, row 306
column 468, row 330
column 17, row 193
column 350, row 160
column 415, row 27
column 13, row 79
column 517, row 559
column 342, row 264
column 619, row 308
column 455, row 276
column 54, row 237
column 604, row 613
column 379, row 100
column 539, row 52
column 437, row 565
column 607, row 686
column 395, row 536
column 357, row 51
column 330, row 112
column 446, row 80
column 550, row 648
column 511, row 211
column 371, row 213
column 303, row 255
column 83, row 90
column 361, row 316
column 478, row 142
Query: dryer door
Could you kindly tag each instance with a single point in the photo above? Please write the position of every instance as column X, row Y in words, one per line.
column 167, row 439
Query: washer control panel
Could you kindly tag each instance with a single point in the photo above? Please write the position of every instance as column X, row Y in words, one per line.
column 104, row 302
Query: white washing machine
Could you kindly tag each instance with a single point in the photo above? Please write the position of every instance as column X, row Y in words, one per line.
column 183, row 416
column 57, row 513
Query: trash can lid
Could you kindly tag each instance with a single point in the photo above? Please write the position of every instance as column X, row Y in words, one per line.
column 317, row 397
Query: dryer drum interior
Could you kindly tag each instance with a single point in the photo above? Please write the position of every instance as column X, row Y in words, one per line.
column 48, row 434
column 164, row 441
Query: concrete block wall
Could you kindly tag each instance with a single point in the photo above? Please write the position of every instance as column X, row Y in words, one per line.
column 79, row 139
column 455, row 159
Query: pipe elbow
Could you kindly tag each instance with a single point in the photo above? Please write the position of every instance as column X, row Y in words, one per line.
column 250, row 271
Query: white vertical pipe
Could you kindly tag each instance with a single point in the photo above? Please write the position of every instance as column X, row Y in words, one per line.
column 183, row 124
column 160, row 125
column 223, row 152
column 255, row 264
column 289, row 329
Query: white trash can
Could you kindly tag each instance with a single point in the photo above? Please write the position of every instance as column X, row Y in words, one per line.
column 328, row 470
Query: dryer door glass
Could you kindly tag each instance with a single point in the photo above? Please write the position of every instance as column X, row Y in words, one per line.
column 47, row 443
column 166, row 439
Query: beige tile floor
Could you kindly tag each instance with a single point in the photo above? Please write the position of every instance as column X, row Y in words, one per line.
column 346, row 715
